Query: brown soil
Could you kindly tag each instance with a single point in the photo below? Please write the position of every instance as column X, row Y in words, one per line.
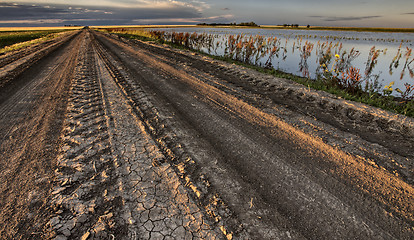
column 105, row 137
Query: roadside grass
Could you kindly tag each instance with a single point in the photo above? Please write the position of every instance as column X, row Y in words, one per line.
column 13, row 40
column 385, row 102
column 389, row 103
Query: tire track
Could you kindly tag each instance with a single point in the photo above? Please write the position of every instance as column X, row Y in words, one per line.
column 112, row 179
column 83, row 194
column 157, row 205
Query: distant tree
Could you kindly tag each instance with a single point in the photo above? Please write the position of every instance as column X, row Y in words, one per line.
column 308, row 26
column 248, row 24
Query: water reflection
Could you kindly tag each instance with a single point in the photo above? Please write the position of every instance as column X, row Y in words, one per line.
column 311, row 53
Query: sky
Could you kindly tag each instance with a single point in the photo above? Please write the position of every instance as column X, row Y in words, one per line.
column 349, row 13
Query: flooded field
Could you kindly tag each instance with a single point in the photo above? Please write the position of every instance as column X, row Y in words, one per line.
column 381, row 57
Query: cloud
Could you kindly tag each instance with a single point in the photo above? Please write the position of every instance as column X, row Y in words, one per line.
column 197, row 5
column 38, row 21
column 225, row 9
column 220, row 18
column 12, row 14
column 17, row 11
column 337, row 19
column 412, row 13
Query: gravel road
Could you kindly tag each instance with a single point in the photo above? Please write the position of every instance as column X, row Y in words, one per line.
column 107, row 138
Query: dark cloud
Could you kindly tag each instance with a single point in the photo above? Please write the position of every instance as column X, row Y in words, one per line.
column 337, row 19
column 17, row 11
column 225, row 9
column 408, row 13
column 25, row 14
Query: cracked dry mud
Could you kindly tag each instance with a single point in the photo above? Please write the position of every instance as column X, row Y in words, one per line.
column 108, row 138
column 112, row 179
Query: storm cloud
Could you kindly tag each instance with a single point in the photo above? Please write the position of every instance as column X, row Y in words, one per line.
column 23, row 14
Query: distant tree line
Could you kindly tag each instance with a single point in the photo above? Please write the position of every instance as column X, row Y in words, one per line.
column 243, row 24
column 293, row 25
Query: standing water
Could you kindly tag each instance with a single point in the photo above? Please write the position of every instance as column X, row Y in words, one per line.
column 382, row 57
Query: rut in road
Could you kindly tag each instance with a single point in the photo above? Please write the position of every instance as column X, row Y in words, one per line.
column 296, row 183
column 112, row 179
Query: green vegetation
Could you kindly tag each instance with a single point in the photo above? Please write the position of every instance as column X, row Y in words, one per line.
column 138, row 33
column 337, row 77
column 10, row 38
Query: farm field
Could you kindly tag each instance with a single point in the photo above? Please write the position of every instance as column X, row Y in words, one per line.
column 107, row 137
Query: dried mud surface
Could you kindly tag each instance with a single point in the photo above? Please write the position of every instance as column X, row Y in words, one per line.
column 108, row 138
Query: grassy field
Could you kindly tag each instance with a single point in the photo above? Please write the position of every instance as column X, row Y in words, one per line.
column 10, row 38
column 16, row 38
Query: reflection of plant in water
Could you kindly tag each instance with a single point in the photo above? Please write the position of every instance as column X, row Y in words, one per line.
column 371, row 79
column 408, row 93
column 305, row 53
column 407, row 65
column 396, row 60
column 275, row 47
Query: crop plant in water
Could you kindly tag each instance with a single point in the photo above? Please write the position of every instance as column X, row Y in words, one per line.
column 333, row 63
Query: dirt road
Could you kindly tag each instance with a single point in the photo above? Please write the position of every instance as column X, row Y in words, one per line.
column 108, row 138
